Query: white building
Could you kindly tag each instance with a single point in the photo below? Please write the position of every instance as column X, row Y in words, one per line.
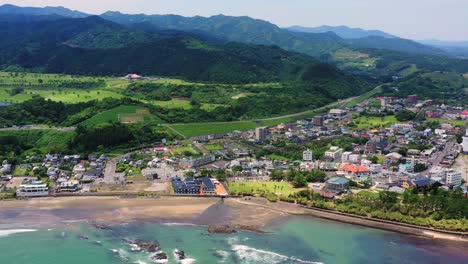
column 307, row 155
column 465, row 142
column 355, row 158
column 334, row 152
column 31, row 189
column 454, row 178
column 345, row 156
column 376, row 168
column 261, row 133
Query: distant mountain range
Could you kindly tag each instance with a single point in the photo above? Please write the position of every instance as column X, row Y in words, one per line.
column 370, row 53
column 343, row 31
column 38, row 11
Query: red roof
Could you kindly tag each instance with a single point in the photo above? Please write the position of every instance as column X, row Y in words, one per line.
column 354, row 168
column 465, row 113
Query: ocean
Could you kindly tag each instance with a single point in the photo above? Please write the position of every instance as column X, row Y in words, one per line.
column 294, row 240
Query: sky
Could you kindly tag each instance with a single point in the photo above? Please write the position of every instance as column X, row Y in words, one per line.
column 413, row 19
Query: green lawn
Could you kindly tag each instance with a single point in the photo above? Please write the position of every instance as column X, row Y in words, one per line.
column 119, row 114
column 279, row 188
column 212, row 147
column 368, row 194
column 183, row 149
column 372, row 122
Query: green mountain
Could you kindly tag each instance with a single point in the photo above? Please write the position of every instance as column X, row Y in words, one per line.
column 8, row 9
column 96, row 46
column 342, row 31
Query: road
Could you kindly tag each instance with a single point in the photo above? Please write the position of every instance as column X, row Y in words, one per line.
column 441, row 154
column 37, row 127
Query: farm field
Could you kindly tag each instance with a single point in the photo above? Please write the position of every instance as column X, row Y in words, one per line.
column 278, row 188
column 370, row 122
column 123, row 113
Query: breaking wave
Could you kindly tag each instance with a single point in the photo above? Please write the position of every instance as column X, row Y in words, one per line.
column 248, row 254
column 4, row 233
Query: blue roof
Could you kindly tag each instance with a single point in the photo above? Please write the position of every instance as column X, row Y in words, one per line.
column 421, row 181
column 338, row 180
column 207, row 183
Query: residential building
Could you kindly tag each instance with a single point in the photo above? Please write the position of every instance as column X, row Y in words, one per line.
column 345, row 156
column 32, row 189
column 190, row 186
column 307, row 155
column 261, row 133
column 417, row 182
column 337, row 184
column 412, row 99
column 208, row 186
column 338, row 113
column 318, row 120
column 465, row 142
column 406, row 168
column 334, row 153
column 454, row 178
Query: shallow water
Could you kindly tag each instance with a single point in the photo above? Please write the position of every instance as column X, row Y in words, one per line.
column 296, row 240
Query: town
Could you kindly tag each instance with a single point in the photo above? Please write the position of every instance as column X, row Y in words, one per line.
column 350, row 149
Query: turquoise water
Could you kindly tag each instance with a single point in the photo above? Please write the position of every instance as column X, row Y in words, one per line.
column 297, row 240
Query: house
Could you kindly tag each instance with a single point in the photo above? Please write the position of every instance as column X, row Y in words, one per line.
column 417, row 182
column 453, row 178
column 133, row 77
column 68, row 186
column 354, row 170
column 337, row 184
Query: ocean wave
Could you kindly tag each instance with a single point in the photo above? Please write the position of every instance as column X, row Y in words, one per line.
column 4, row 233
column 222, row 255
column 248, row 254
column 121, row 253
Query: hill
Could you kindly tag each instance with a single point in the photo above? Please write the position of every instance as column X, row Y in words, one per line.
column 96, row 46
column 342, row 31
column 8, row 9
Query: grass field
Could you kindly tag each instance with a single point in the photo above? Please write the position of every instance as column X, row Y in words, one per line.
column 461, row 123
column 369, row 122
column 123, row 113
column 199, row 129
column 278, row 188
column 368, row 194
column 212, row 147
column 183, row 149
column 363, row 97
column 66, row 96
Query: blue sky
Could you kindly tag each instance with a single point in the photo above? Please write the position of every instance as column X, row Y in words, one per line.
column 415, row 19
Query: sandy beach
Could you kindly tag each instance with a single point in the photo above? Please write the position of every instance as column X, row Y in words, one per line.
column 245, row 213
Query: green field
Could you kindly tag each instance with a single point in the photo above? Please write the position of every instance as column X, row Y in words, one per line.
column 123, row 113
column 372, row 122
column 363, row 97
column 200, row 129
column 66, row 96
column 278, row 188
column 460, row 123
column 212, row 147
column 183, row 149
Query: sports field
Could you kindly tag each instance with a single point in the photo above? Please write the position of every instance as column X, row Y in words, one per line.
column 127, row 114
column 278, row 188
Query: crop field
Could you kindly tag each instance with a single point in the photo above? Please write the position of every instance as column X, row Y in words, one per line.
column 124, row 113
column 278, row 188
column 370, row 122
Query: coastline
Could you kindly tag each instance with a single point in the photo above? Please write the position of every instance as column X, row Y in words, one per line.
column 247, row 214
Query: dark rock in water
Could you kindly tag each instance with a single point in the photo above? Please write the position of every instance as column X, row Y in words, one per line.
column 251, row 229
column 221, row 229
column 179, row 254
column 147, row 246
column 100, row 226
column 159, row 256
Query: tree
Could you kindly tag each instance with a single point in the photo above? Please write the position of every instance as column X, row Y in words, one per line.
column 299, row 181
column 277, row 175
column 405, row 115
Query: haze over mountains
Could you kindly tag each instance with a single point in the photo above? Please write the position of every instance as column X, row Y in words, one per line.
column 112, row 42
